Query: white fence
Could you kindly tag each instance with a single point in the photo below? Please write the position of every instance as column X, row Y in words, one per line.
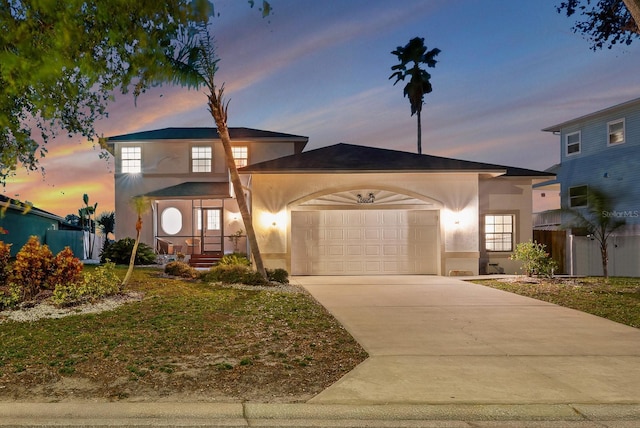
column 584, row 257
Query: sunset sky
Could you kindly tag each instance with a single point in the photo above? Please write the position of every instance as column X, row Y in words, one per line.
column 321, row 68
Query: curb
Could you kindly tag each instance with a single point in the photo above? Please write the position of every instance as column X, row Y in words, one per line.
column 156, row 414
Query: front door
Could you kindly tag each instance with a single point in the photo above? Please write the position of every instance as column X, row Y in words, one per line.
column 211, row 233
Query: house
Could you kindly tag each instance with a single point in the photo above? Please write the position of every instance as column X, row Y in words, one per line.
column 20, row 220
column 337, row 210
column 183, row 173
column 599, row 150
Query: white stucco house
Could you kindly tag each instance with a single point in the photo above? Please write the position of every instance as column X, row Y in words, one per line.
column 337, row 210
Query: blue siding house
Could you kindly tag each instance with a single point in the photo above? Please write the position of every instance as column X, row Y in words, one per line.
column 601, row 150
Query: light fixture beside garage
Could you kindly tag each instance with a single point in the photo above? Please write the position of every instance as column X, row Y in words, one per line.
column 457, row 219
column 270, row 220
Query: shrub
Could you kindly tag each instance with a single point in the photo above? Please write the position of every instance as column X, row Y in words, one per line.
column 32, row 268
column 66, row 269
column 119, row 252
column 233, row 274
column 234, row 259
column 5, row 258
column 278, row 275
column 180, row 269
column 10, row 295
column 102, row 282
column 535, row 260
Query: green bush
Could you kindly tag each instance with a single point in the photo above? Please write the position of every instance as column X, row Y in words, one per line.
column 234, row 259
column 278, row 275
column 10, row 295
column 119, row 252
column 180, row 269
column 233, row 274
column 102, row 282
column 535, row 260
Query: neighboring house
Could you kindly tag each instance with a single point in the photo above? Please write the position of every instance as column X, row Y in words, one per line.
column 600, row 150
column 338, row 210
column 21, row 220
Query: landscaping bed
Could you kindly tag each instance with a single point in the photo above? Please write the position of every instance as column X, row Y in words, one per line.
column 172, row 339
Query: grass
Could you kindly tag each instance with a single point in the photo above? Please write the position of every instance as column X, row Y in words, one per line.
column 617, row 299
column 183, row 337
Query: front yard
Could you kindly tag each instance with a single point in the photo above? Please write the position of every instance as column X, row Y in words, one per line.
column 617, row 299
column 182, row 340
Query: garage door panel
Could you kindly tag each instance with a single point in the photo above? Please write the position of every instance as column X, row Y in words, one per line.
column 352, row 242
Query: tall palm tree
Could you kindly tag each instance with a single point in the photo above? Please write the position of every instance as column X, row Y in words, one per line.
column 411, row 57
column 598, row 219
column 195, row 64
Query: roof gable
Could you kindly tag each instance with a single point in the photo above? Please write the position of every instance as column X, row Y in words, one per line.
column 352, row 158
column 628, row 104
column 203, row 134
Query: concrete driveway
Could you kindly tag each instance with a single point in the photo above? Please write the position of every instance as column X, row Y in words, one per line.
column 441, row 340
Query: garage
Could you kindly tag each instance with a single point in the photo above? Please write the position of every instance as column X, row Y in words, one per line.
column 364, row 241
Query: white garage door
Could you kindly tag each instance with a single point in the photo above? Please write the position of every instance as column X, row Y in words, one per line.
column 364, row 242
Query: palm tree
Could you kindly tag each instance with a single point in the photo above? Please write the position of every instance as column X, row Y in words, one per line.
column 194, row 64
column 598, row 220
column 141, row 205
column 415, row 52
column 107, row 223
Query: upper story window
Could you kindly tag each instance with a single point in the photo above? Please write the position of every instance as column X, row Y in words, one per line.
column 615, row 131
column 241, row 156
column 498, row 232
column 201, row 159
column 131, row 160
column 578, row 196
column 573, row 143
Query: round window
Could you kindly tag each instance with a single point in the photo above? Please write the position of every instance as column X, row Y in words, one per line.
column 171, row 221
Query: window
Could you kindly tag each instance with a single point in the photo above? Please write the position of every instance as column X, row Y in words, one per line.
column 573, row 143
column 131, row 160
column 212, row 218
column 241, row 156
column 171, row 221
column 201, row 159
column 498, row 232
column 616, row 132
column 578, row 196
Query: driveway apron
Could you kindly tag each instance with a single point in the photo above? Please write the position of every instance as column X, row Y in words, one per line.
column 442, row 340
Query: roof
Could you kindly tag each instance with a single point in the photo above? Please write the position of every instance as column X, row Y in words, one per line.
column 203, row 134
column 352, row 158
column 608, row 110
column 193, row 189
column 27, row 208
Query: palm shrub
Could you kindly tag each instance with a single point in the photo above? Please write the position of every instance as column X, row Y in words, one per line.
column 234, row 259
column 120, row 251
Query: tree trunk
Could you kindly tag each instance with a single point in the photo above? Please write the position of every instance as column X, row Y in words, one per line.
column 419, row 131
column 634, row 8
column 219, row 115
column 605, row 259
column 134, row 251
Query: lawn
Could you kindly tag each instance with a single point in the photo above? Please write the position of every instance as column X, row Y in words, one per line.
column 617, row 299
column 184, row 340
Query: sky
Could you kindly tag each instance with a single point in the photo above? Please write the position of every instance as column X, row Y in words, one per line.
column 320, row 68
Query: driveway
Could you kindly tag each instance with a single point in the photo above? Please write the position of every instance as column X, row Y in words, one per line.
column 442, row 340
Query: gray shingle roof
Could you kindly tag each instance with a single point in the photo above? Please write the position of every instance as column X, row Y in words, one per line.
column 202, row 134
column 193, row 189
column 352, row 158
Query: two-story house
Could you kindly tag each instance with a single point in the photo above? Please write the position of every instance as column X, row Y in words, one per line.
column 599, row 150
column 337, row 210
column 183, row 173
